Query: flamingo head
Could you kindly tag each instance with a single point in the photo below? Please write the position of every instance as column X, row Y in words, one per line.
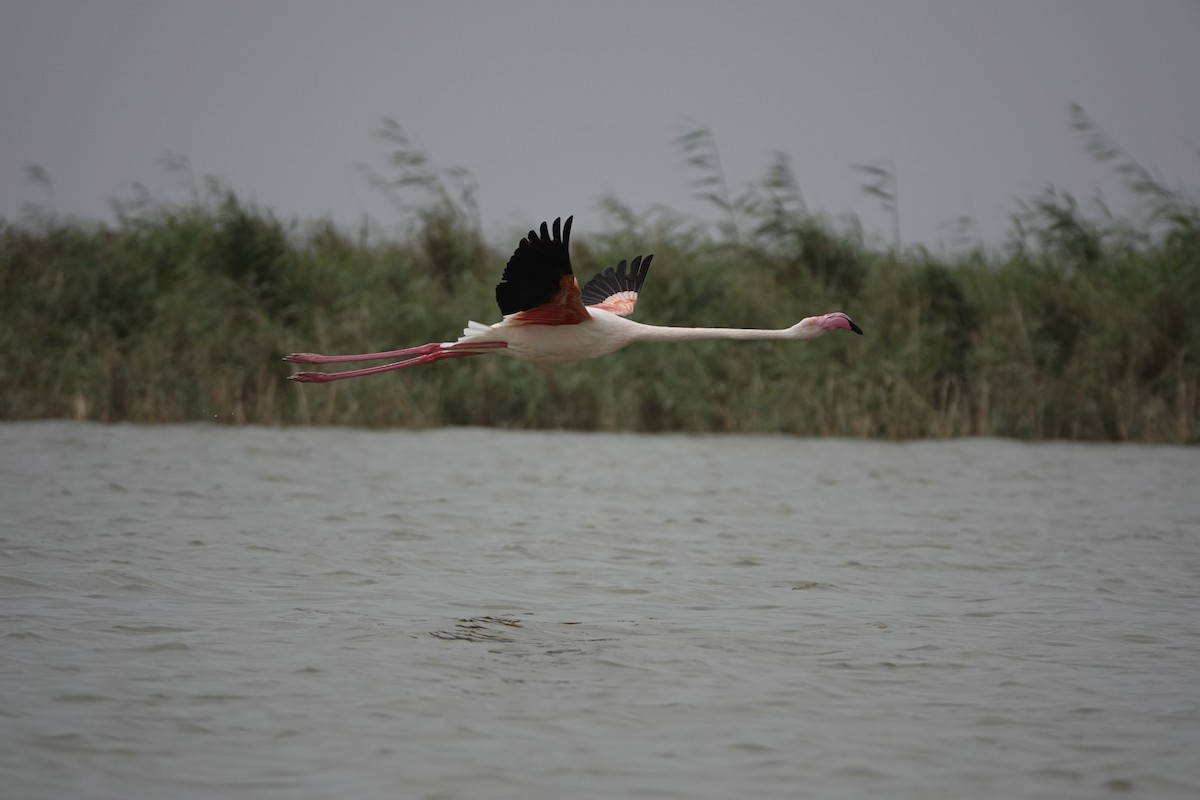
column 811, row 327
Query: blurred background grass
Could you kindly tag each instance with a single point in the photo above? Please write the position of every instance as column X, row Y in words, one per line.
column 1080, row 326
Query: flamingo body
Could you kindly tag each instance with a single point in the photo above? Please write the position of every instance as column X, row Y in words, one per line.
column 548, row 319
column 602, row 333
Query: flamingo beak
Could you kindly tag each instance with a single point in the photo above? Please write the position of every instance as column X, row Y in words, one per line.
column 854, row 326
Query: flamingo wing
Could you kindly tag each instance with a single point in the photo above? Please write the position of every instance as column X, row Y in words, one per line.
column 615, row 289
column 538, row 286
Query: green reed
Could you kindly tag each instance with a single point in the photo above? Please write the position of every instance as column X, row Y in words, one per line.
column 1081, row 327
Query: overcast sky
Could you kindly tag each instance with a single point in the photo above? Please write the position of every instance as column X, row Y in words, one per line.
column 552, row 104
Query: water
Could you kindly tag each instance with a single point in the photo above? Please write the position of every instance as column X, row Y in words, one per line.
column 201, row 611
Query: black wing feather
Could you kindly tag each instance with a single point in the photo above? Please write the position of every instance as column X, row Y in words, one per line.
column 534, row 274
column 614, row 280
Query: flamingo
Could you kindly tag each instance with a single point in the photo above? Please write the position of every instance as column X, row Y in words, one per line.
column 548, row 319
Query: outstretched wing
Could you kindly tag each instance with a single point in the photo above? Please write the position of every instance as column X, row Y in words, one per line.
column 538, row 285
column 615, row 289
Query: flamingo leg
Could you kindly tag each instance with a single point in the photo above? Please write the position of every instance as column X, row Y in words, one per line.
column 315, row 358
column 426, row 357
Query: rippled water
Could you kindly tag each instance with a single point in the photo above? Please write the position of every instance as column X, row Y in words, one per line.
column 196, row 611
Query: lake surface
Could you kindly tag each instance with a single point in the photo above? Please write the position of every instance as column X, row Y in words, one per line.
column 204, row 611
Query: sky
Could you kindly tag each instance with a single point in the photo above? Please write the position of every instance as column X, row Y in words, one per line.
column 552, row 105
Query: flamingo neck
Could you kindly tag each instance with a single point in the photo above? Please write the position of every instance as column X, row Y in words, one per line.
column 659, row 333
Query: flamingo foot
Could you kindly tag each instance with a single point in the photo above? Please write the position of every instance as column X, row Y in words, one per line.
column 303, row 358
column 311, row 377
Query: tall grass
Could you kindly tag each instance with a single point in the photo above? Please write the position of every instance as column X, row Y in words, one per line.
column 1081, row 327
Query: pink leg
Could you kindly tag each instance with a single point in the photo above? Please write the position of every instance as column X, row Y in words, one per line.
column 313, row 358
column 429, row 357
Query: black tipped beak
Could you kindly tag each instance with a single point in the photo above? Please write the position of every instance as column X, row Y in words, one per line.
column 854, row 326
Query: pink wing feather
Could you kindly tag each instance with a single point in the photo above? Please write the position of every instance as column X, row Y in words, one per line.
column 616, row 290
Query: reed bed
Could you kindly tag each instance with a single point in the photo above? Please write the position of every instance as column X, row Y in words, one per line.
column 1082, row 326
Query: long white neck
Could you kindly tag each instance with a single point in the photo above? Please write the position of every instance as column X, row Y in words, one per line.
column 659, row 333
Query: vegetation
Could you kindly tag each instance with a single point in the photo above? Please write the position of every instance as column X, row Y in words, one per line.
column 1082, row 327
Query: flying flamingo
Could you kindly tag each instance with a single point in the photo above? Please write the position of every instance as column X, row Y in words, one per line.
column 548, row 319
